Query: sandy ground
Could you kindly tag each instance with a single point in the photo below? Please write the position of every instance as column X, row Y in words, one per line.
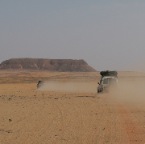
column 63, row 116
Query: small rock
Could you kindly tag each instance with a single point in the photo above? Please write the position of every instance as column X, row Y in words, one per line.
column 10, row 120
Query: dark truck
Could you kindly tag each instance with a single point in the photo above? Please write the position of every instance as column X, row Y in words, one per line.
column 108, row 79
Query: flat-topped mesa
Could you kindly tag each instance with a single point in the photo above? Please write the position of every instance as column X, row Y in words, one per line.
column 62, row 65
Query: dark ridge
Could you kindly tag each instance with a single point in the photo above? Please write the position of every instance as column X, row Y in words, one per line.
column 61, row 65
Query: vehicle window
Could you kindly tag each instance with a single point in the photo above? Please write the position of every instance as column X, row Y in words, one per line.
column 105, row 81
column 112, row 81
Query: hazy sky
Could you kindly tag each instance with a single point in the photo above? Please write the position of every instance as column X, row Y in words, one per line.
column 108, row 34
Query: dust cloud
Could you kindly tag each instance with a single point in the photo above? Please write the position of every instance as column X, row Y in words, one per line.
column 131, row 90
column 69, row 86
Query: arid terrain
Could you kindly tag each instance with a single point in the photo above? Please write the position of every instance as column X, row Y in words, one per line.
column 68, row 110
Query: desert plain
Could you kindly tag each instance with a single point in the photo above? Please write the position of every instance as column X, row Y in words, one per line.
column 68, row 110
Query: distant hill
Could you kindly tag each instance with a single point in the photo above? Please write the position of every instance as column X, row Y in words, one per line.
column 62, row 65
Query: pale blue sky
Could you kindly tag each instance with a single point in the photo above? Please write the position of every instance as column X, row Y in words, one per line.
column 108, row 34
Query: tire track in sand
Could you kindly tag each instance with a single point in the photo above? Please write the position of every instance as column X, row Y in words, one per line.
column 134, row 131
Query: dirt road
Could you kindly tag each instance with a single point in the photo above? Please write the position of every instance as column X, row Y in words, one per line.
column 37, row 117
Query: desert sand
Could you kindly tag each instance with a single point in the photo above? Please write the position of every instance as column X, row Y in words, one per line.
column 68, row 109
